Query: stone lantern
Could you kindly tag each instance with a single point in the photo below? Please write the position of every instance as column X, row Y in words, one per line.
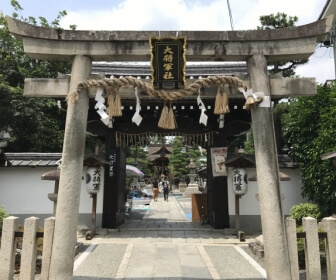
column 53, row 175
column 192, row 186
column 192, row 171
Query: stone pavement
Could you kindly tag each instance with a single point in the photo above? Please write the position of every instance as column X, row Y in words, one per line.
column 164, row 244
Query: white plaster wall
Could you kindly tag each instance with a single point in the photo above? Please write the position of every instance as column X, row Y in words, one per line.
column 23, row 192
column 249, row 205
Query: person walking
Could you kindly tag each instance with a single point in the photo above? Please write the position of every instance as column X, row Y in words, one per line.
column 155, row 189
column 165, row 186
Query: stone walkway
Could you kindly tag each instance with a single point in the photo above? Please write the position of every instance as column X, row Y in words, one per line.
column 164, row 244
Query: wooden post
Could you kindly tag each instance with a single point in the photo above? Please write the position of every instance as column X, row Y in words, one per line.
column 237, row 212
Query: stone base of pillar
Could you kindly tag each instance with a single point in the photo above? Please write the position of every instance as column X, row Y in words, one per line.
column 257, row 247
column 192, row 188
column 182, row 187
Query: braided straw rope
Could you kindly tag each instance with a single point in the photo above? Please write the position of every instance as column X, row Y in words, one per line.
column 167, row 96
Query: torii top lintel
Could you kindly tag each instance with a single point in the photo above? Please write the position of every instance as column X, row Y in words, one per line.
column 275, row 44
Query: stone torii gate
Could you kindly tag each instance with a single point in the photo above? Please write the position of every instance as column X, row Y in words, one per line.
column 256, row 47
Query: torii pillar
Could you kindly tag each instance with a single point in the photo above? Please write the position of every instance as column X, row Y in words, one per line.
column 65, row 234
column 276, row 251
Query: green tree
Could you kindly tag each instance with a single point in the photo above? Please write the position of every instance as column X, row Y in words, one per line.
column 181, row 156
column 280, row 20
column 249, row 144
column 37, row 124
column 311, row 127
column 3, row 215
column 138, row 157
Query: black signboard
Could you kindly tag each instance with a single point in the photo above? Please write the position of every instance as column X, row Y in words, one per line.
column 112, row 158
column 168, row 62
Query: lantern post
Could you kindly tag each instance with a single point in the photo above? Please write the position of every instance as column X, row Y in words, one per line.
column 93, row 180
column 239, row 185
column 239, row 163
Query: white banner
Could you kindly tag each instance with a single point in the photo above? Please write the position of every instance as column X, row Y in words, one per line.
column 218, row 157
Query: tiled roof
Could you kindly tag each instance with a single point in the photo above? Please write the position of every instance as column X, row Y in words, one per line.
column 45, row 159
column 52, row 159
column 143, row 70
column 154, row 148
column 284, row 160
column 33, row 159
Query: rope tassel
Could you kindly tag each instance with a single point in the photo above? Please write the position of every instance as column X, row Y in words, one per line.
column 164, row 117
column 167, row 119
column 225, row 103
column 110, row 101
column 218, row 102
column 114, row 102
column 117, row 105
column 221, row 103
column 171, row 119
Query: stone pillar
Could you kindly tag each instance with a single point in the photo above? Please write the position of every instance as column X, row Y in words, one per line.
column 63, row 250
column 49, row 227
column 29, row 244
column 292, row 247
column 8, row 246
column 329, row 225
column 312, row 250
column 275, row 244
column 334, row 56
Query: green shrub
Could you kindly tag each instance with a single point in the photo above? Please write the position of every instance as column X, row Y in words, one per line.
column 3, row 215
column 302, row 210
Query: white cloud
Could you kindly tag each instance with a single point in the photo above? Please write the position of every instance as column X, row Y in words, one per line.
column 188, row 14
column 320, row 65
column 204, row 15
column 153, row 15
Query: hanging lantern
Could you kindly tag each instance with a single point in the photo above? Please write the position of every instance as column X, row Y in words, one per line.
column 239, row 181
column 93, row 179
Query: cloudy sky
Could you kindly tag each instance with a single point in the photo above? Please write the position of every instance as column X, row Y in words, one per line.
column 182, row 15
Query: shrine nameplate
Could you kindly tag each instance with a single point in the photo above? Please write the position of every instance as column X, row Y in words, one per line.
column 168, row 62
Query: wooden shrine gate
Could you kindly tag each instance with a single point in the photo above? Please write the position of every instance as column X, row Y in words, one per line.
column 256, row 47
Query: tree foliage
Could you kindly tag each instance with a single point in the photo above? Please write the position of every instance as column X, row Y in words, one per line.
column 37, row 124
column 311, row 126
column 181, row 156
column 280, row 20
column 303, row 210
column 3, row 215
column 138, row 157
